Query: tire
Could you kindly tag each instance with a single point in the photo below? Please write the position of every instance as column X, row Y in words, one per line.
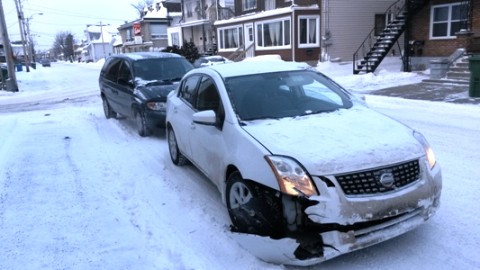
column 177, row 157
column 107, row 110
column 141, row 123
column 253, row 208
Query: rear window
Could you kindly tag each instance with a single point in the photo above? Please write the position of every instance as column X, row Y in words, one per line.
column 164, row 69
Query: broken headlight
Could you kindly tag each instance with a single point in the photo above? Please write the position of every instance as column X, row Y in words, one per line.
column 291, row 176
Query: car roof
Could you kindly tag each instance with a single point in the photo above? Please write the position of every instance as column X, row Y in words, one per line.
column 134, row 56
column 256, row 67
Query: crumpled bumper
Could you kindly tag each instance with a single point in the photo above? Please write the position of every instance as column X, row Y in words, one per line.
column 338, row 224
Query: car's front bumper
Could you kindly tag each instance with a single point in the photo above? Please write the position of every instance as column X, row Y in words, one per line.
column 332, row 224
column 155, row 119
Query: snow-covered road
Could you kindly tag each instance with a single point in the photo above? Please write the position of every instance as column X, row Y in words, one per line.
column 78, row 191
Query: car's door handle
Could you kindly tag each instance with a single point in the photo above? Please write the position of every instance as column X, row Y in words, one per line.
column 192, row 125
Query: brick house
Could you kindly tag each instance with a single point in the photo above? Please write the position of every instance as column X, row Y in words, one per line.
column 149, row 33
column 441, row 27
column 300, row 30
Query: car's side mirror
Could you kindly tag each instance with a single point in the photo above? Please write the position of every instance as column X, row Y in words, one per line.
column 205, row 117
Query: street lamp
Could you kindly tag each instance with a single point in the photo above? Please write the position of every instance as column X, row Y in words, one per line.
column 30, row 41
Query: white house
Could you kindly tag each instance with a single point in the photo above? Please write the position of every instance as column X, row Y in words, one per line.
column 99, row 42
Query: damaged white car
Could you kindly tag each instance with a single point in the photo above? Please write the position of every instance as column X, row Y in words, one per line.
column 307, row 171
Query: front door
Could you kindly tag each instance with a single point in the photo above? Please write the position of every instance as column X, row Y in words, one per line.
column 248, row 36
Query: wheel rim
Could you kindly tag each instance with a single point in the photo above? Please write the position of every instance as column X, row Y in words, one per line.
column 239, row 195
column 172, row 144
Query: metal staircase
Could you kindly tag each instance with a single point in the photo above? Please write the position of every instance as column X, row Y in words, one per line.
column 375, row 47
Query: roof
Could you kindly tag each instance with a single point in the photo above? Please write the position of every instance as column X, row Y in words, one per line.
column 255, row 67
column 146, row 55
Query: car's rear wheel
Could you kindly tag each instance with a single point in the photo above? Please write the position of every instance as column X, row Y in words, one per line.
column 253, row 208
column 141, row 122
column 107, row 110
column 177, row 157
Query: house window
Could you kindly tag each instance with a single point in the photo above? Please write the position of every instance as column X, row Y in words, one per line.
column 230, row 38
column 189, row 10
column 158, row 31
column 269, row 4
column 446, row 20
column 308, row 29
column 129, row 35
column 175, row 39
column 249, row 4
column 273, row 34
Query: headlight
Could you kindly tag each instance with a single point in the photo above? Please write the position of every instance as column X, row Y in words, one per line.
column 428, row 151
column 156, row 106
column 291, row 176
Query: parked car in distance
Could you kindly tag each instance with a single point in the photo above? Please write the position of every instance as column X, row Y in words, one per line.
column 45, row 63
column 307, row 171
column 135, row 85
column 210, row 60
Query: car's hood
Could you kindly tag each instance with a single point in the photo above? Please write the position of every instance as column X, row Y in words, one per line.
column 156, row 91
column 338, row 142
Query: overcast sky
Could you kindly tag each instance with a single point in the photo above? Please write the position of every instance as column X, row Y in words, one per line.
column 65, row 16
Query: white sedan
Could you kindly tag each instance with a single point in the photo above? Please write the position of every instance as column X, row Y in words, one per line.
column 307, row 171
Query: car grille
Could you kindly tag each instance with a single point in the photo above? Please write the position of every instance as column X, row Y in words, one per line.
column 369, row 182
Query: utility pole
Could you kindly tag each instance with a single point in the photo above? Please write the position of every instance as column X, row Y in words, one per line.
column 103, row 42
column 30, row 40
column 11, row 82
column 23, row 32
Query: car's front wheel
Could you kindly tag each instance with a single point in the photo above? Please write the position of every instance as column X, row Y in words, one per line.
column 141, row 122
column 253, row 208
column 177, row 157
column 107, row 110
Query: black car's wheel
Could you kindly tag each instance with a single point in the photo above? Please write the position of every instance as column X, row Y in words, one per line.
column 141, row 122
column 253, row 208
column 177, row 157
column 107, row 110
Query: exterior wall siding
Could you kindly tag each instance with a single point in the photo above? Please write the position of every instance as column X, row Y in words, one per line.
column 278, row 4
column 349, row 23
column 309, row 54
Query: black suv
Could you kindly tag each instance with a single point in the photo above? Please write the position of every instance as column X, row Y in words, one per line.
column 136, row 85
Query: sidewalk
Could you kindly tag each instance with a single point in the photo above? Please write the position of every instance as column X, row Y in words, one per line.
column 453, row 93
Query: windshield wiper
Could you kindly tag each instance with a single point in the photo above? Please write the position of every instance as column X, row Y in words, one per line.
column 261, row 118
column 157, row 82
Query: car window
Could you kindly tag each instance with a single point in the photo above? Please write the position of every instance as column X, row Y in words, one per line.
column 160, row 69
column 207, row 97
column 188, row 89
column 317, row 90
column 284, row 94
column 112, row 70
column 124, row 74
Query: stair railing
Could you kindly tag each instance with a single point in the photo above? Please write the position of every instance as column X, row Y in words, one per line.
column 394, row 9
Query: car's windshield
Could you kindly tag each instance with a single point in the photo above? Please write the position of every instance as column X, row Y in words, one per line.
column 284, row 94
column 160, row 70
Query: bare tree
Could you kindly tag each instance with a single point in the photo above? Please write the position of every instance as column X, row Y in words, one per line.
column 140, row 6
column 63, row 44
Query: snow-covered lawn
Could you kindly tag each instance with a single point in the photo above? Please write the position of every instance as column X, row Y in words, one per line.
column 78, row 191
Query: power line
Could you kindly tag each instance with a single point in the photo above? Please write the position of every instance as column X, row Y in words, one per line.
column 37, row 8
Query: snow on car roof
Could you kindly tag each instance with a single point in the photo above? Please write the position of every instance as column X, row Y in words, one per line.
column 145, row 55
column 255, row 67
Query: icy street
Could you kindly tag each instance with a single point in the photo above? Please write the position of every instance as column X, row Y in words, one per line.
column 78, row 191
